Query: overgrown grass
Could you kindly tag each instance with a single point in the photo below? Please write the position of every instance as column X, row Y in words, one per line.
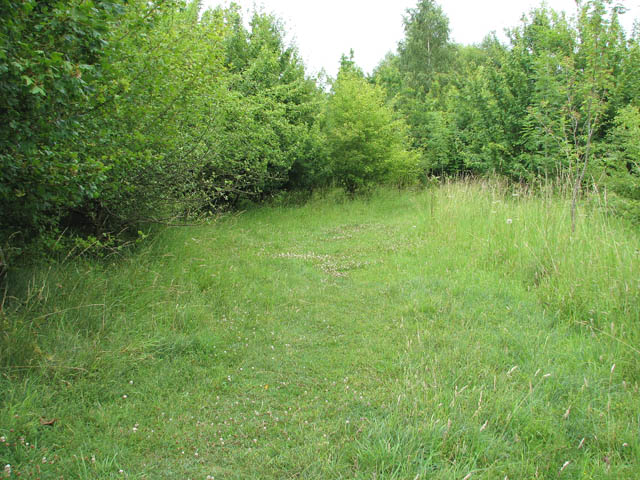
column 459, row 332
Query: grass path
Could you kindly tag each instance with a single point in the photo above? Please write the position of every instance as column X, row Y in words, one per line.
column 432, row 335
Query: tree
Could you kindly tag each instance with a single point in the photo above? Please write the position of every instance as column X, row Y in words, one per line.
column 620, row 168
column 150, row 116
column 266, row 139
column 573, row 90
column 366, row 144
column 425, row 52
column 418, row 78
column 51, row 55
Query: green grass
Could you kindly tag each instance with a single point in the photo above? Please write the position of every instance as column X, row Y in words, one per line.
column 409, row 335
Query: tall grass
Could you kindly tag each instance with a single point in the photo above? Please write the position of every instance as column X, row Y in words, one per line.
column 459, row 332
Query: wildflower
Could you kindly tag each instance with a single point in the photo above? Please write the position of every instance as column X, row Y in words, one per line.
column 3, row 439
column 7, row 470
column 124, row 396
column 509, row 221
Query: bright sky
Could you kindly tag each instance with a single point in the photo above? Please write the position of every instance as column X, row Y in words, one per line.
column 324, row 30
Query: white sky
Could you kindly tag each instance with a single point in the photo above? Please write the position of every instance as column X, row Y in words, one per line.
column 324, row 30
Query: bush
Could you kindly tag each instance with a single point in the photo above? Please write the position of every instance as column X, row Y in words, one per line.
column 620, row 170
column 366, row 144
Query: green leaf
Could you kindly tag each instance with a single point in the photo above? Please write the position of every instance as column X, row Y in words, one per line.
column 36, row 90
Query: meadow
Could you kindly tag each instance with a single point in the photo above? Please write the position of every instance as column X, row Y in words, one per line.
column 457, row 332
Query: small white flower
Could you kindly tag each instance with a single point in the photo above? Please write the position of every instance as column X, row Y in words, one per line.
column 3, row 439
column 509, row 221
column 130, row 382
column 120, row 471
column 124, row 396
column 7, row 469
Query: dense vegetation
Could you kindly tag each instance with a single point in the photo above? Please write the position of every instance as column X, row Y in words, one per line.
column 483, row 327
column 118, row 113
column 559, row 101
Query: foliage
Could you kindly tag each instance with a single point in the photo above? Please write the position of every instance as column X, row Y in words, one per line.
column 425, row 53
column 416, row 76
column 366, row 144
column 127, row 112
column 276, row 104
column 152, row 115
column 50, row 59
column 573, row 88
column 145, row 111
column 542, row 106
column 620, row 169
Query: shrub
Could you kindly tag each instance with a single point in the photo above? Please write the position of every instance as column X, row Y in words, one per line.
column 365, row 142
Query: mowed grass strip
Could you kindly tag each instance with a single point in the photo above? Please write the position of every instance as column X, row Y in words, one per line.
column 458, row 332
